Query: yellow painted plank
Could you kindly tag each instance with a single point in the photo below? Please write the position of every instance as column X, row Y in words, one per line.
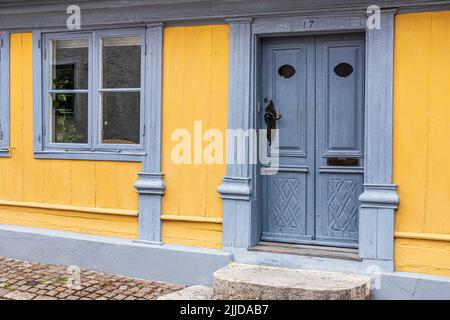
column 13, row 175
column 106, row 185
column 33, row 170
column 98, row 224
column 192, row 182
column 58, row 181
column 207, row 235
column 438, row 187
column 172, row 113
column 218, row 117
column 83, row 183
column 62, row 207
column 127, row 198
column 422, row 256
column 411, row 110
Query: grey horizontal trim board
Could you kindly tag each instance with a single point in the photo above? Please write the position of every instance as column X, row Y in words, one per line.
column 168, row 263
column 4, row 154
column 95, row 156
column 42, row 14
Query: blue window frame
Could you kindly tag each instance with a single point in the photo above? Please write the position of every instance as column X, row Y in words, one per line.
column 4, row 94
column 91, row 95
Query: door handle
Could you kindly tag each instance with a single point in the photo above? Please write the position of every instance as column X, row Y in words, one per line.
column 271, row 117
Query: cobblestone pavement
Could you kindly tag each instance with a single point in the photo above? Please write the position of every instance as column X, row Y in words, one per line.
column 23, row 280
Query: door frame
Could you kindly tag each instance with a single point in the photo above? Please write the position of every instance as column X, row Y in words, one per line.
column 313, row 168
column 239, row 189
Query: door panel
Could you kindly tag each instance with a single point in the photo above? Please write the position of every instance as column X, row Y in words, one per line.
column 338, row 207
column 288, row 197
column 286, row 194
column 339, row 133
column 317, row 85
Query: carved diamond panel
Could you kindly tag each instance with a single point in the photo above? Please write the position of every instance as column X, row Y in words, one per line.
column 343, row 204
column 287, row 207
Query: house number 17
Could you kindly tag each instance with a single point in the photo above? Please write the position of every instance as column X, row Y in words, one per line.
column 308, row 24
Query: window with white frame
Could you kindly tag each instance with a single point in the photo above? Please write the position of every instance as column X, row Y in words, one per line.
column 92, row 91
column 4, row 94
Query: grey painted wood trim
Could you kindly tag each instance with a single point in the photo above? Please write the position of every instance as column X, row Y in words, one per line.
column 153, row 97
column 37, row 91
column 23, row 15
column 150, row 184
column 302, row 25
column 236, row 189
column 4, row 95
column 379, row 200
column 88, row 155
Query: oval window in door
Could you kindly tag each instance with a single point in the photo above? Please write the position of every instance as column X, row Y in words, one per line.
column 343, row 69
column 286, row 71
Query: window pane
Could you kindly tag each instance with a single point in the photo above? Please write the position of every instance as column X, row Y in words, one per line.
column 69, row 118
column 69, row 64
column 121, row 117
column 121, row 62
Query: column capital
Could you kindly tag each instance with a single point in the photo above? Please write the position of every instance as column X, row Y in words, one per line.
column 150, row 183
column 379, row 196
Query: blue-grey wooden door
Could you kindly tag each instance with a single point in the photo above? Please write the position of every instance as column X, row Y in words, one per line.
column 316, row 83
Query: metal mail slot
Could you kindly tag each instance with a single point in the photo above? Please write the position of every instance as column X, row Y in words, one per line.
column 342, row 162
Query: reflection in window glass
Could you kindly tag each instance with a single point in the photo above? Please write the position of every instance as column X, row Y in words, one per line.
column 69, row 118
column 69, row 64
column 121, row 62
column 120, row 117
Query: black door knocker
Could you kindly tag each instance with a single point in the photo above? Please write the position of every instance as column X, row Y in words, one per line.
column 270, row 117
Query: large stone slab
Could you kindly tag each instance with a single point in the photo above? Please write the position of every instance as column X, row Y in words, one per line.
column 248, row 282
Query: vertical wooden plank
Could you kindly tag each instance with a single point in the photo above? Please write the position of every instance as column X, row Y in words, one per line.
column 173, row 115
column 33, row 170
column 196, row 103
column 58, row 185
column 13, row 170
column 106, row 185
column 411, row 111
column 83, row 183
column 385, row 225
column 218, row 115
column 438, row 198
column 126, row 175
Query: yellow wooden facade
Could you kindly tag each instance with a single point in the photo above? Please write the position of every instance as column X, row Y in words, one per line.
column 422, row 142
column 98, row 197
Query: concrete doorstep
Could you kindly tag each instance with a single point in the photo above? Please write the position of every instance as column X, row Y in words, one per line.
column 248, row 282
